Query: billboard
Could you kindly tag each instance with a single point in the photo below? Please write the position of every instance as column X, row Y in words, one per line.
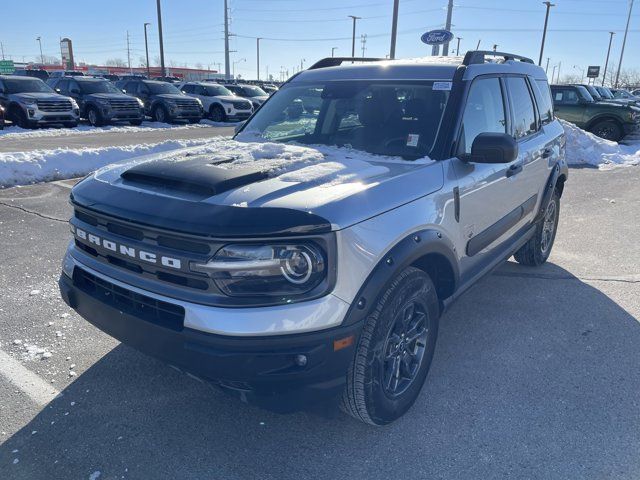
column 66, row 51
column 6, row 66
column 593, row 71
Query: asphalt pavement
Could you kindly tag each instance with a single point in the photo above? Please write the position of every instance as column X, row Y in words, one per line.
column 536, row 374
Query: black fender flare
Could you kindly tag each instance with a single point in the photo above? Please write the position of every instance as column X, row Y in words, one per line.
column 550, row 186
column 402, row 255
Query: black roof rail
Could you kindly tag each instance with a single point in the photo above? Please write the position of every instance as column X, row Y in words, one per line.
column 337, row 61
column 478, row 57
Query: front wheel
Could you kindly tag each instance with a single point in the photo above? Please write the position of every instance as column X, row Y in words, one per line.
column 217, row 114
column 161, row 115
column 394, row 351
column 609, row 130
column 537, row 250
column 95, row 117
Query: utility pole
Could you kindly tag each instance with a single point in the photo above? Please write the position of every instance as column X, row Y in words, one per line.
column 458, row 46
column 128, row 52
column 226, row 40
column 447, row 27
column 606, row 63
column 162, row 71
column 553, row 73
column 363, row 41
column 394, row 30
column 353, row 37
column 333, row 49
column 478, row 45
column 258, row 57
column 544, row 32
column 624, row 42
column 302, row 60
column 2, row 50
column 41, row 55
column 495, row 47
column 146, row 49
column 546, row 69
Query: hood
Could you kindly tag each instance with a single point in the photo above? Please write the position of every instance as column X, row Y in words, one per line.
column 231, row 98
column 247, row 182
column 259, row 99
column 175, row 96
column 41, row 96
column 111, row 96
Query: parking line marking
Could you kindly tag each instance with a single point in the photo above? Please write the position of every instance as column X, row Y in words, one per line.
column 31, row 384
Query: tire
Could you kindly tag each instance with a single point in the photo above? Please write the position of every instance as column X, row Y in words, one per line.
column 374, row 393
column 537, row 250
column 608, row 129
column 137, row 123
column 95, row 117
column 217, row 113
column 18, row 117
column 160, row 114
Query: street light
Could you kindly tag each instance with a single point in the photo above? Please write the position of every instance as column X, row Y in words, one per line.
column 458, row 46
column 41, row 56
column 162, row 71
column 258, row 57
column 333, row 49
column 353, row 39
column 146, row 49
column 544, row 32
column 606, row 63
column 234, row 66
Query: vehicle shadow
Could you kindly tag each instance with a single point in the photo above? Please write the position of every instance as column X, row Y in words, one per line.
column 536, row 375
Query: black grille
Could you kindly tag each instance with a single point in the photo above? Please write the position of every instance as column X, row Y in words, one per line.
column 242, row 105
column 54, row 105
column 160, row 313
column 127, row 104
column 187, row 104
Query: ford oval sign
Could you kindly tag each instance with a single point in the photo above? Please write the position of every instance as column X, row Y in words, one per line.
column 437, row 37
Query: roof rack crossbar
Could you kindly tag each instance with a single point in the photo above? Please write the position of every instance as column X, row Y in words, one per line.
column 336, row 61
column 478, row 56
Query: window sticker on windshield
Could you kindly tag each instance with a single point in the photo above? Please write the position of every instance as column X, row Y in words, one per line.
column 412, row 140
column 441, row 85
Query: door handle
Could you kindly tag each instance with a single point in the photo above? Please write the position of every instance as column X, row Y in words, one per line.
column 547, row 152
column 513, row 170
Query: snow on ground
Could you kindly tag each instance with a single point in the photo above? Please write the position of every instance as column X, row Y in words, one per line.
column 584, row 148
column 21, row 168
column 17, row 132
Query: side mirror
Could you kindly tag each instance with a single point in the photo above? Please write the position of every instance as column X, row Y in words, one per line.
column 58, row 90
column 124, row 91
column 493, row 148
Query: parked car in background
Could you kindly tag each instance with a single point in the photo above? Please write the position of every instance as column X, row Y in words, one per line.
column 163, row 101
column 66, row 73
column 219, row 103
column 133, row 76
column 168, row 79
column 608, row 120
column 254, row 94
column 109, row 76
column 270, row 89
column 621, row 93
column 30, row 103
column 37, row 73
column 636, row 93
column 610, row 95
column 99, row 100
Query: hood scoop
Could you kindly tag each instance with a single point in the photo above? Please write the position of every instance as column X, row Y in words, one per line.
column 198, row 176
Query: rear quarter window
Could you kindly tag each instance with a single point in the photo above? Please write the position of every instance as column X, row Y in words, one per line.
column 524, row 117
column 543, row 98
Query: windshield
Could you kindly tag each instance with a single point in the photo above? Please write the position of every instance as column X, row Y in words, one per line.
column 584, row 93
column 215, row 90
column 97, row 87
column 604, row 92
column 160, row 88
column 380, row 117
column 20, row 85
column 253, row 92
column 594, row 93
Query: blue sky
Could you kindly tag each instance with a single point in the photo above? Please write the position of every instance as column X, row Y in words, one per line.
column 301, row 29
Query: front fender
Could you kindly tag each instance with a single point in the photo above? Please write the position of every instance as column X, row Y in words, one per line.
column 404, row 254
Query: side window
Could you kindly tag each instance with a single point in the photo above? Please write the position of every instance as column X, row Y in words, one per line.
column 543, row 99
column 524, row 117
column 63, row 86
column 130, row 88
column 73, row 85
column 484, row 112
column 200, row 90
column 565, row 96
column 187, row 88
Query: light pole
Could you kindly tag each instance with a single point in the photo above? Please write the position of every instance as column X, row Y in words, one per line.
column 546, row 69
column 302, row 60
column 624, row 42
column 333, row 49
column 41, row 55
column 394, row 29
column 234, row 66
column 553, row 73
column 162, row 72
column 495, row 47
column 606, row 63
column 258, row 57
column 458, row 46
column 544, row 32
column 146, row 49
column 353, row 38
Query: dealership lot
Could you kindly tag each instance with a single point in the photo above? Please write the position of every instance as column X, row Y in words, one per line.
column 536, row 372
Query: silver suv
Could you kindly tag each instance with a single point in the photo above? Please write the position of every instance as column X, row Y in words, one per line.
column 29, row 103
column 219, row 103
column 313, row 255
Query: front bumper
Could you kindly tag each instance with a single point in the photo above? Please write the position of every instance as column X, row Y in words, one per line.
column 122, row 115
column 263, row 370
column 185, row 114
column 35, row 115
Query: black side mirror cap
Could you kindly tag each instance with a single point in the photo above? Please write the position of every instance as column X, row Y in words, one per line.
column 493, row 148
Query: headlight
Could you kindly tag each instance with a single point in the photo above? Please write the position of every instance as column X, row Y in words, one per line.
column 28, row 101
column 74, row 104
column 140, row 102
column 266, row 270
column 198, row 101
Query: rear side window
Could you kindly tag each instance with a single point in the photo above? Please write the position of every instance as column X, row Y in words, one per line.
column 524, row 117
column 484, row 112
column 565, row 96
column 543, row 99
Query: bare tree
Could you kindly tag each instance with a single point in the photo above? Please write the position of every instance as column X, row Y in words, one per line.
column 115, row 62
column 199, row 66
column 49, row 60
column 143, row 61
column 571, row 78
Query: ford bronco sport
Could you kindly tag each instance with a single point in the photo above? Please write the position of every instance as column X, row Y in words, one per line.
column 313, row 256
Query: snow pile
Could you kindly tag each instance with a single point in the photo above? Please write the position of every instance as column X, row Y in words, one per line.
column 20, row 168
column 584, row 148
